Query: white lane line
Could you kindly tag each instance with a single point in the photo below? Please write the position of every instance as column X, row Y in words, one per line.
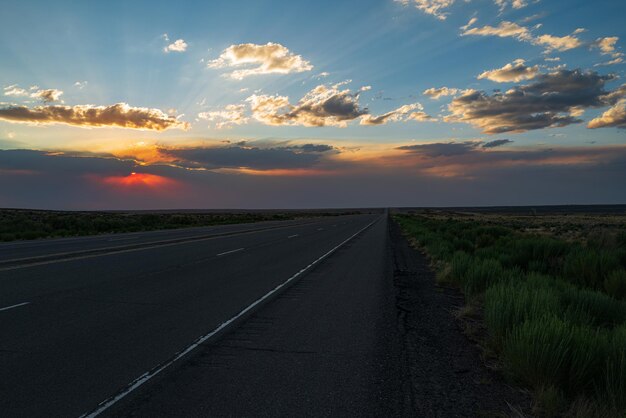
column 230, row 252
column 14, row 306
column 116, row 250
column 135, row 384
column 293, row 236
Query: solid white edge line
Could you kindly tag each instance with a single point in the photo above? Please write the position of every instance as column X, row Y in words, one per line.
column 150, row 374
column 14, row 306
column 229, row 252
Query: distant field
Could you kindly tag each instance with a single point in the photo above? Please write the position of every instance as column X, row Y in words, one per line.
column 23, row 224
column 549, row 292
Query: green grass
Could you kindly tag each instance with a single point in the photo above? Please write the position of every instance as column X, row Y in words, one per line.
column 555, row 309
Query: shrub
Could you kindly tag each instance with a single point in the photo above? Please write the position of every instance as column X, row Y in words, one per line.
column 615, row 284
column 613, row 389
column 589, row 267
column 538, row 351
column 479, row 274
column 589, row 307
column 588, row 353
column 459, row 264
column 540, row 254
column 508, row 305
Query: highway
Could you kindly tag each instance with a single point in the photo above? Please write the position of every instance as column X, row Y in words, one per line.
column 96, row 325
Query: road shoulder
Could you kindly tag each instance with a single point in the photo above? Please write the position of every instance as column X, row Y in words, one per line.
column 448, row 376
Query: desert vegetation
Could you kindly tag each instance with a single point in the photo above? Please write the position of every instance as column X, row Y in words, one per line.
column 16, row 224
column 551, row 295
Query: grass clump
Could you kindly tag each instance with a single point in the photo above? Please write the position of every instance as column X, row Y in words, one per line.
column 615, row 284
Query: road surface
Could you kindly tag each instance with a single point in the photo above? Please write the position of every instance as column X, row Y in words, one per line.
column 81, row 319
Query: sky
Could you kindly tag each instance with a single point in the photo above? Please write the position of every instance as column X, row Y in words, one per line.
column 274, row 104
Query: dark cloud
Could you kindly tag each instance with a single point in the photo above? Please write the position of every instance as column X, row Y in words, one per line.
column 290, row 157
column 583, row 175
column 118, row 115
column 322, row 106
column 553, row 100
column 496, row 143
column 313, row 147
column 441, row 149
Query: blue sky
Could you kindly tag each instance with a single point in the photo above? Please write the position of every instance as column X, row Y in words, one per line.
column 386, row 53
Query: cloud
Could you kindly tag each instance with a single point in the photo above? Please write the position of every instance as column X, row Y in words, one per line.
column 497, row 143
column 403, row 113
column 516, row 4
column 508, row 29
column 515, row 71
column 477, row 176
column 178, row 45
column 81, row 84
column 118, row 115
column 322, row 106
column 436, row 93
column 441, row 149
column 313, row 147
column 437, row 8
column 614, row 61
column 432, row 7
column 469, row 23
column 552, row 100
column 606, row 45
column 475, row 159
column 420, row 117
column 271, row 58
column 248, row 157
column 327, row 105
column 613, row 117
column 505, row 29
column 231, row 115
column 558, row 43
column 46, row 95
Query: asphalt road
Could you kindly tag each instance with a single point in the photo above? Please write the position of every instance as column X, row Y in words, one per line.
column 17, row 252
column 77, row 331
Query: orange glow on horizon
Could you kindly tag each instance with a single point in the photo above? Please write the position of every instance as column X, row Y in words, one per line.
column 135, row 179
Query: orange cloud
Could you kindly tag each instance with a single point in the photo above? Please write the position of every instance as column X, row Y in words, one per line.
column 119, row 115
